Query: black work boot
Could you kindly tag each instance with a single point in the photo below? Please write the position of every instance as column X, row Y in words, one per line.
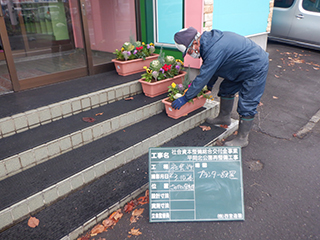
column 224, row 117
column 241, row 140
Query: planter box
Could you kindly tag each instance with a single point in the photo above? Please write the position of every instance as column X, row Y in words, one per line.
column 129, row 67
column 154, row 89
column 185, row 109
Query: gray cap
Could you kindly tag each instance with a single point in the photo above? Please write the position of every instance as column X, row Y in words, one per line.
column 184, row 39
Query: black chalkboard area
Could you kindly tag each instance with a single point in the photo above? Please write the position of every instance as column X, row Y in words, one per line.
column 195, row 184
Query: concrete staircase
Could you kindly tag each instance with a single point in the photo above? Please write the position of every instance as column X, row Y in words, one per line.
column 71, row 174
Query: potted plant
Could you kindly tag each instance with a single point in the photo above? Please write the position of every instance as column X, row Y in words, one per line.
column 160, row 74
column 178, row 90
column 133, row 56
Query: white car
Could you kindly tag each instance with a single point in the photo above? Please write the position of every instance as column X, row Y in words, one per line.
column 296, row 22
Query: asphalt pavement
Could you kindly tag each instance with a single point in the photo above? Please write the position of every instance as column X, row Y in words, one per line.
column 280, row 166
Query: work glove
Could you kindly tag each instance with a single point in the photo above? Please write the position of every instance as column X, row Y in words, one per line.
column 178, row 103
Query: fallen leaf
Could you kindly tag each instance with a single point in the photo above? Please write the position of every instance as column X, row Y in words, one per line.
column 88, row 119
column 276, row 76
column 296, row 60
column 224, row 126
column 315, row 68
column 33, row 222
column 130, row 206
column 129, row 98
column 205, row 128
column 274, row 97
column 97, row 229
column 260, row 104
column 107, row 223
column 133, row 219
column 137, row 212
column 235, row 133
column 135, row 232
column 143, row 200
column 99, row 114
column 116, row 216
column 86, row 237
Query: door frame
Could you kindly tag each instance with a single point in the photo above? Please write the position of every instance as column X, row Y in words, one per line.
column 8, row 54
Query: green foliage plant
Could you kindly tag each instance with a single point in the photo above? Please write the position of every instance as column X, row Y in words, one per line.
column 162, row 68
column 134, row 50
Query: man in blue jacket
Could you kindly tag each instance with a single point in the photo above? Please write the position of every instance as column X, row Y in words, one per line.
column 239, row 61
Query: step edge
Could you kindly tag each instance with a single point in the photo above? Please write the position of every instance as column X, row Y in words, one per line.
column 21, row 209
column 21, row 122
column 229, row 131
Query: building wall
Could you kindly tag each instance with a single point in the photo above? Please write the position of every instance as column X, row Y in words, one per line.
column 245, row 17
column 250, row 18
column 194, row 17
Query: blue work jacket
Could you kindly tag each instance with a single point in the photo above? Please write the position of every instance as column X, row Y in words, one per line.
column 227, row 55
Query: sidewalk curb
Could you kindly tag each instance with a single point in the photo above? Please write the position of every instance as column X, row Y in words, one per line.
column 309, row 126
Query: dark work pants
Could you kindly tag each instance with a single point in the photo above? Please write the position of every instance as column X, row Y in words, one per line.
column 250, row 91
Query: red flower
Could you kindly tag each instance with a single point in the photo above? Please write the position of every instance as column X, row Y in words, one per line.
column 139, row 48
column 166, row 67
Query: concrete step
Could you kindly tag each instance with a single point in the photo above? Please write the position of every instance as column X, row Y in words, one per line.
column 81, row 210
column 50, row 157
column 28, row 109
column 56, row 178
column 24, row 121
column 32, row 147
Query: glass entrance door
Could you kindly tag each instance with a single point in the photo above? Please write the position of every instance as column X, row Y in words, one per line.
column 45, row 37
column 110, row 24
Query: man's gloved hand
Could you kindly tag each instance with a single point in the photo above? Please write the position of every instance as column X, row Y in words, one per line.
column 178, row 103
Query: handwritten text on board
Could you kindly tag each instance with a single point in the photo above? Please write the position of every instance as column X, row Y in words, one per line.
column 195, row 184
